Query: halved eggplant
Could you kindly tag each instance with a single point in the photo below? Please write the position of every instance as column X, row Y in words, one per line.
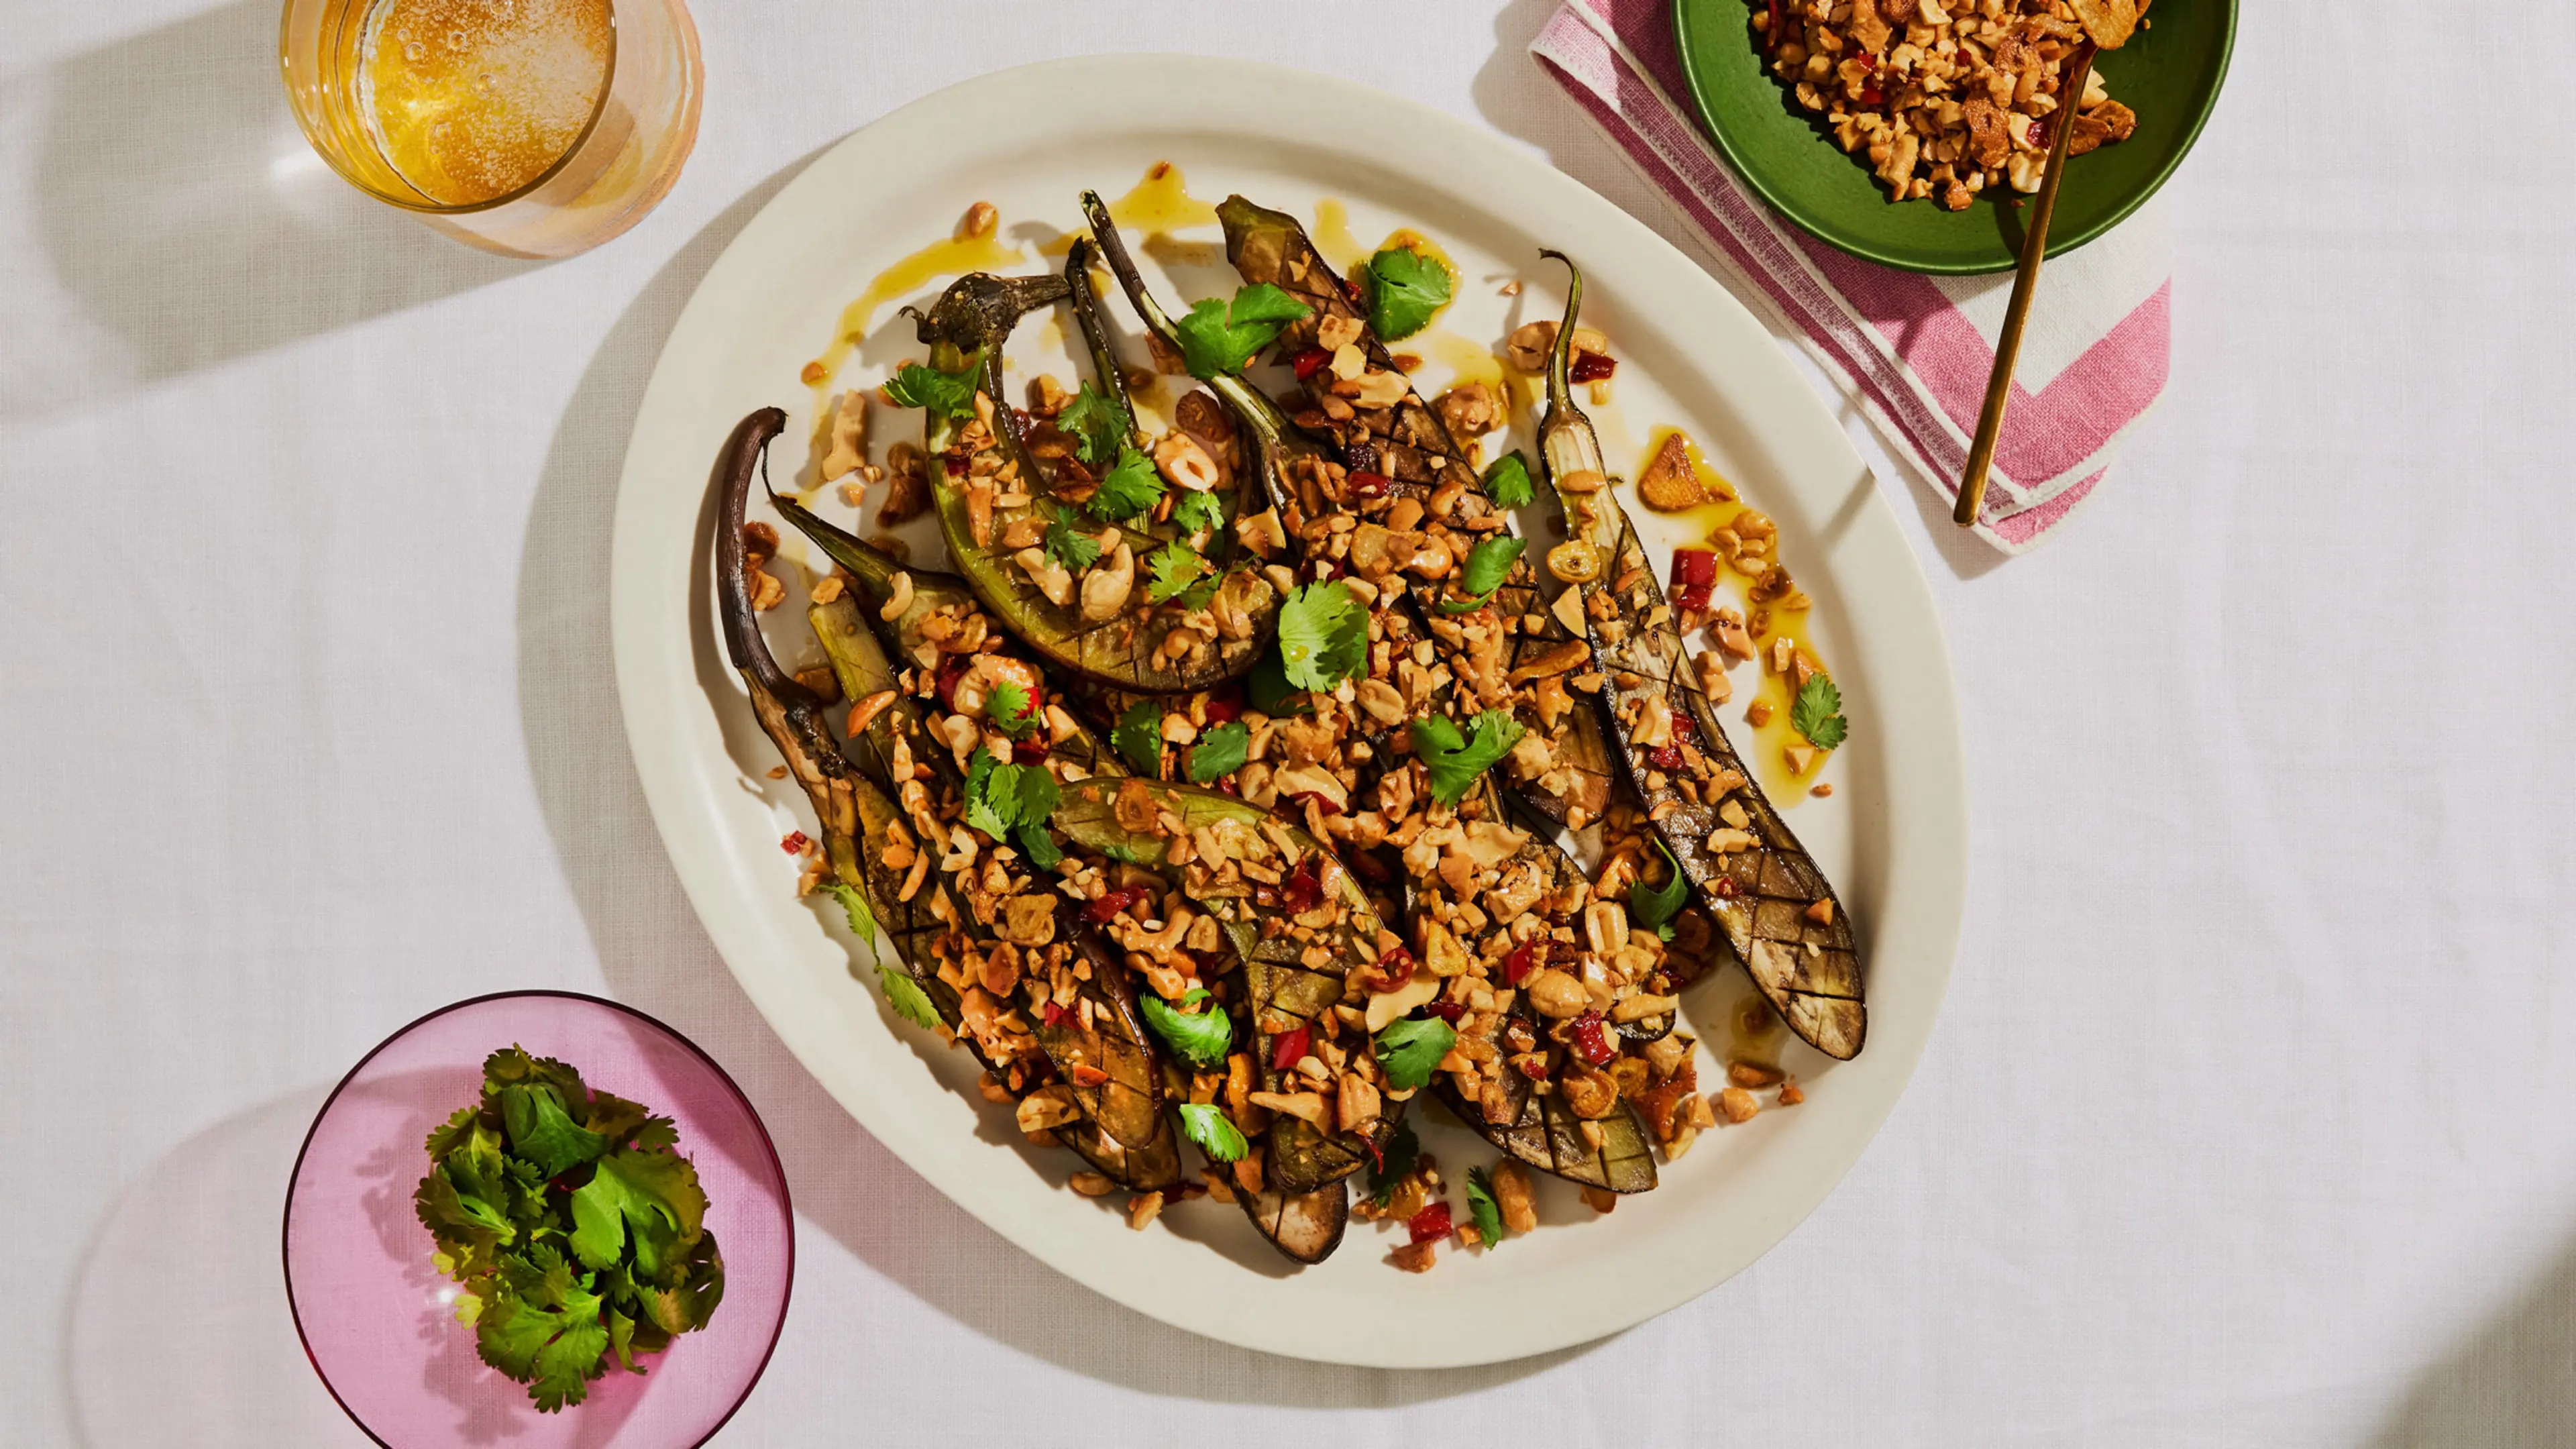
column 1305, row 1226
column 987, row 532
column 1761, row 896
column 1410, row 448
column 1284, row 995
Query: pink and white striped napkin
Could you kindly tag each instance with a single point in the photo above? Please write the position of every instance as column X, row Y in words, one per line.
column 1913, row 351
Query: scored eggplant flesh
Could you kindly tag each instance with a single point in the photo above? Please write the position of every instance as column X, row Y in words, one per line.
column 1419, row 459
column 1762, row 895
column 1126, row 1103
column 1307, row 1226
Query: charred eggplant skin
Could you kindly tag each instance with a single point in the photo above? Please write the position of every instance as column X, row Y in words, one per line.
column 1761, row 897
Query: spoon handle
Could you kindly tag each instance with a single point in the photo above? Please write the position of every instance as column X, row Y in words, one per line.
column 2034, row 246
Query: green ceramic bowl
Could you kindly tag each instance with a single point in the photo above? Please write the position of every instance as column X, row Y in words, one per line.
column 2168, row 73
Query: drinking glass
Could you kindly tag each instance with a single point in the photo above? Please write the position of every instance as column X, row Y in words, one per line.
column 532, row 128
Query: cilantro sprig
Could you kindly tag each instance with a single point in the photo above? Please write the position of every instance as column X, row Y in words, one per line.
column 1402, row 1153
column 1207, row 1125
column 1138, row 737
column 1221, row 338
column 1000, row 796
column 1069, row 546
column 1009, row 709
column 1128, row 490
column 1455, row 760
column 1411, row 1050
column 1817, row 714
column 1484, row 1207
column 575, row 1229
column 1489, row 563
column 1323, row 635
column 1098, row 422
column 941, row 394
column 1653, row 908
column 1197, row 512
column 1218, row 752
column 1507, row 481
column 1406, row 290
column 1172, row 571
column 1200, row 1038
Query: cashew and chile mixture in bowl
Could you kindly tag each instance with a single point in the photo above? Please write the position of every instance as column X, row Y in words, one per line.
column 1216, row 803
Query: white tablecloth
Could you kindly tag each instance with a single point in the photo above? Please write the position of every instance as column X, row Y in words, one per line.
column 2246, row 1122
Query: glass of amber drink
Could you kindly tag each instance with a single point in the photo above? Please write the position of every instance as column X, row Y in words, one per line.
column 532, row 128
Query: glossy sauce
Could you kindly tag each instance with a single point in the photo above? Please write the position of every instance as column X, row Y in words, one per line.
column 1162, row 202
column 1766, row 745
column 947, row 257
column 1332, row 237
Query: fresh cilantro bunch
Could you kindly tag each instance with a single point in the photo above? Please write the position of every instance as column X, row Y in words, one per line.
column 574, row 1227
column 1455, row 760
column 1406, row 290
column 1221, row 338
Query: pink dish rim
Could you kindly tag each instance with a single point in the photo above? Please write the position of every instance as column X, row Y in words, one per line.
column 778, row 1169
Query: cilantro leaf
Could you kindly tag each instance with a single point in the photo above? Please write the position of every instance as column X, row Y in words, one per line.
column 1480, row 1202
column 1403, row 1151
column 1267, row 688
column 1218, row 338
column 1652, row 908
column 1214, row 1132
column 1009, row 709
column 1411, row 1050
column 941, row 394
column 1035, row 843
column 543, row 1133
column 1198, row 512
column 1818, row 713
column 1068, row 546
column 650, row 1198
column 1038, row 795
column 542, row 1327
column 854, row 904
column 1098, row 423
column 1323, row 635
column 1219, row 751
column 1507, row 481
column 1199, row 1038
column 1128, row 489
column 1455, row 761
column 992, row 794
column 907, row 998
column 1174, row 568
column 1488, row 564
column 1139, row 737
column 1406, row 289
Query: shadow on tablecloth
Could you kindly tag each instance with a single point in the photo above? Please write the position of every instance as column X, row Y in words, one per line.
column 2510, row 1385
column 182, row 221
column 657, row 956
column 179, row 1330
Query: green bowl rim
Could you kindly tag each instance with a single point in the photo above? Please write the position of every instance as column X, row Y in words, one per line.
column 1860, row 249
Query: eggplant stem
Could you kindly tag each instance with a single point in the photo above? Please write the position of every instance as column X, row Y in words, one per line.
column 746, row 453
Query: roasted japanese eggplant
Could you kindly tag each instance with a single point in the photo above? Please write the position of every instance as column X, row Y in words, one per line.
column 1774, row 907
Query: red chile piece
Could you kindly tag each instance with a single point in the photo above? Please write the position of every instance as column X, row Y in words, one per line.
column 1591, row 1039
column 1056, row 1013
column 1591, row 367
column 1694, row 567
column 1429, row 1224
column 1308, row 361
column 1029, row 752
column 1448, row 1011
column 951, row 669
column 794, row 842
column 1365, row 484
column 1109, row 905
column 1303, row 890
column 1524, row 960
column 1393, row 969
column 1288, row 1047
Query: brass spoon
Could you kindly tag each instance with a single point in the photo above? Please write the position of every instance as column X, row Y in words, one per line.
column 2107, row 26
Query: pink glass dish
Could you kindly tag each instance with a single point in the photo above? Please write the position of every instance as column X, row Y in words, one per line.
column 378, row 1320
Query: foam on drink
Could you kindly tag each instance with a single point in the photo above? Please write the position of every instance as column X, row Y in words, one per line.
column 473, row 99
